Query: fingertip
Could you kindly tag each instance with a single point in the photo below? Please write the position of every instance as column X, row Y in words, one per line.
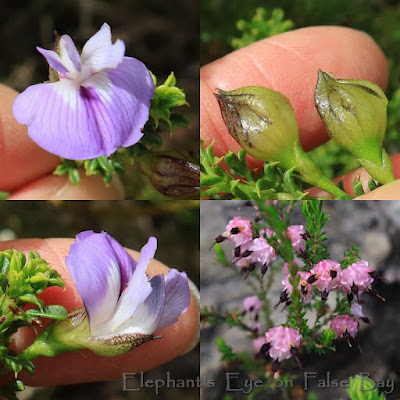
column 85, row 366
column 53, row 187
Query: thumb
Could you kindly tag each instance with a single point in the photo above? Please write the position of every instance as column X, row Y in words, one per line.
column 85, row 366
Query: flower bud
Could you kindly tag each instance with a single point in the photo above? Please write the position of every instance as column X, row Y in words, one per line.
column 262, row 121
column 171, row 174
column 354, row 113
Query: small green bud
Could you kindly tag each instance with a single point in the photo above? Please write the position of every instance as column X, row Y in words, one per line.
column 355, row 115
column 262, row 121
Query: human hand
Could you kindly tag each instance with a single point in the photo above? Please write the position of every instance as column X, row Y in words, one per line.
column 26, row 169
column 288, row 63
column 85, row 366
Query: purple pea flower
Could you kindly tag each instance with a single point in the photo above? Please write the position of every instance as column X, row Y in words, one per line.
column 100, row 102
column 124, row 306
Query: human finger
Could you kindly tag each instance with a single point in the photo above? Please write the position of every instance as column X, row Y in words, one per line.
column 53, row 187
column 288, row 63
column 85, row 366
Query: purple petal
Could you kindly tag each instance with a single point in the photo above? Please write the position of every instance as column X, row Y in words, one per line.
column 53, row 59
column 125, row 262
column 177, row 298
column 94, row 262
column 138, row 288
column 148, row 314
column 69, row 54
column 107, row 112
column 99, row 52
column 95, row 272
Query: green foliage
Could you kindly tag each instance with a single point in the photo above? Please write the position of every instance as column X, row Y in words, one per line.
column 316, row 249
column 363, row 389
column 22, row 279
column 162, row 117
column 226, row 351
column 351, row 256
column 239, row 182
column 220, row 254
column 166, row 98
column 260, row 27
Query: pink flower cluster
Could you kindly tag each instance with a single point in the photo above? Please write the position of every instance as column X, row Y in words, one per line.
column 250, row 251
column 347, row 327
column 280, row 343
column 328, row 275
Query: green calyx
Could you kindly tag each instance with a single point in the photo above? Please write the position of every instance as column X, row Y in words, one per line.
column 73, row 334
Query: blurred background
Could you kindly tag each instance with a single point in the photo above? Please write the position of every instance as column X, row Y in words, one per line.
column 374, row 226
column 176, row 226
column 226, row 25
column 165, row 36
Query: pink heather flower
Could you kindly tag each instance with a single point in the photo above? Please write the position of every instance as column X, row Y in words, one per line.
column 295, row 233
column 259, row 342
column 239, row 231
column 327, row 276
column 358, row 276
column 252, row 304
column 262, row 252
column 282, row 340
column 303, row 286
column 100, row 102
column 344, row 323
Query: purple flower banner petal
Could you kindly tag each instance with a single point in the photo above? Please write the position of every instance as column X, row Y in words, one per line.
column 94, row 266
column 177, row 298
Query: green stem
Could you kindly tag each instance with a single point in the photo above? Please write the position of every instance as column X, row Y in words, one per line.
column 310, row 173
column 383, row 172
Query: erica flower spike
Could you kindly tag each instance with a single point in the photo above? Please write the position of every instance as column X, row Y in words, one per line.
column 99, row 100
column 123, row 307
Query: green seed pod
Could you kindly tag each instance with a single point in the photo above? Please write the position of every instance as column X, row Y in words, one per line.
column 355, row 115
column 262, row 121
